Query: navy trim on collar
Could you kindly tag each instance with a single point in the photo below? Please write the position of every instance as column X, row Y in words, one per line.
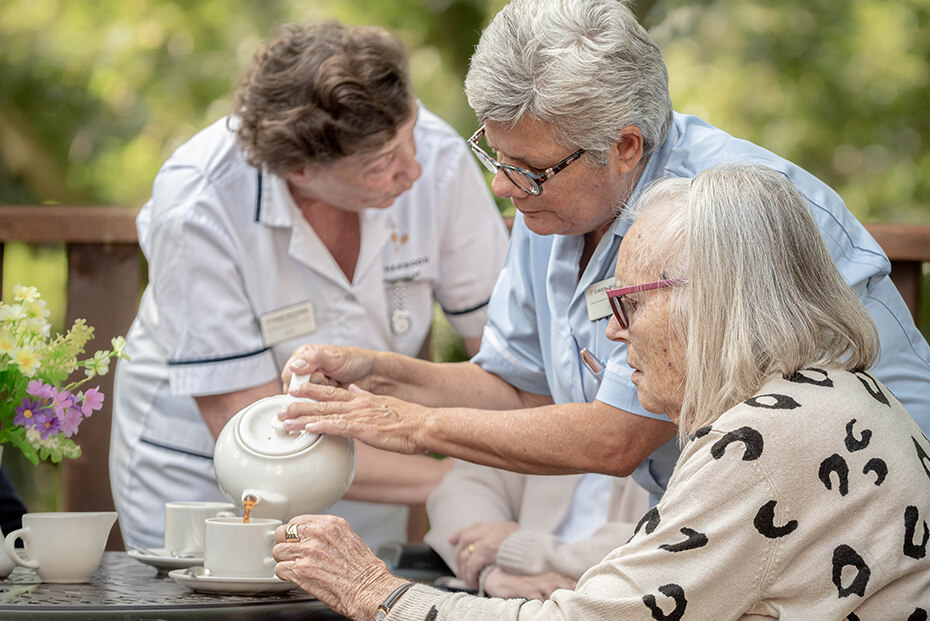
column 174, row 363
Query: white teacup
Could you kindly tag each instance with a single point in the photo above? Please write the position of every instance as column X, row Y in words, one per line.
column 237, row 549
column 64, row 546
column 184, row 524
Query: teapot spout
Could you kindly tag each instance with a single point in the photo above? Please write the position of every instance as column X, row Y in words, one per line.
column 266, row 504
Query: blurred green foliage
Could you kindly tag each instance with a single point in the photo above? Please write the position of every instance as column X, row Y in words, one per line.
column 837, row 86
column 95, row 95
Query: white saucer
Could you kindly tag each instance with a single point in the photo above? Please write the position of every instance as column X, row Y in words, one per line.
column 163, row 560
column 228, row 585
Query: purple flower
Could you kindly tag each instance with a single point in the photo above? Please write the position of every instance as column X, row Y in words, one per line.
column 47, row 424
column 93, row 400
column 62, row 401
column 70, row 421
column 38, row 388
column 27, row 413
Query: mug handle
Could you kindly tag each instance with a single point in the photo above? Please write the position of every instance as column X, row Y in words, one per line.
column 10, row 542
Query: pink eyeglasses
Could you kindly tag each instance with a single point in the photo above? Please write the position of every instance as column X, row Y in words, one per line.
column 620, row 306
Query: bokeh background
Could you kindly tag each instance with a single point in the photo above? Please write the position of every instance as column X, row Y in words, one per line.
column 96, row 94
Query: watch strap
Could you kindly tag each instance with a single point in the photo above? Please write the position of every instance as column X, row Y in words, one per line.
column 385, row 607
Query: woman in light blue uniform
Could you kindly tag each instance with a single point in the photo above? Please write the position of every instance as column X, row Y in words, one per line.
column 576, row 122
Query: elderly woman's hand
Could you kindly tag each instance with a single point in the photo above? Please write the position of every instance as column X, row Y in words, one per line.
column 332, row 563
column 330, row 365
column 499, row 583
column 476, row 547
column 382, row 422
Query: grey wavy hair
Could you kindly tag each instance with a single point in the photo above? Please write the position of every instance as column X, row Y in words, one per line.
column 586, row 67
column 764, row 297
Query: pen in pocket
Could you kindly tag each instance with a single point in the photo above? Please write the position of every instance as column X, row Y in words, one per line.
column 590, row 361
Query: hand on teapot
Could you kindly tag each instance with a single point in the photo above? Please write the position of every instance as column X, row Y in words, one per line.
column 382, row 422
column 330, row 365
column 253, row 448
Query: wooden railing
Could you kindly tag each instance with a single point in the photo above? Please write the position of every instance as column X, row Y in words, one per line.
column 908, row 247
column 104, row 281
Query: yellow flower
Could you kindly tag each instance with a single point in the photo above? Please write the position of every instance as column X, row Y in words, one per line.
column 11, row 312
column 36, row 309
column 118, row 344
column 99, row 365
column 38, row 327
column 27, row 295
column 7, row 343
column 27, row 360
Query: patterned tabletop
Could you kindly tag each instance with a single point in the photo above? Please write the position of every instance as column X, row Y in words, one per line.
column 128, row 589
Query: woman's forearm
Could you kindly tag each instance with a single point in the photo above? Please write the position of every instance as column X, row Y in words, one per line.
column 554, row 439
column 542, row 439
column 445, row 384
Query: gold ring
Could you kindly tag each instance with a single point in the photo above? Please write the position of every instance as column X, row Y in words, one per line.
column 290, row 533
column 471, row 548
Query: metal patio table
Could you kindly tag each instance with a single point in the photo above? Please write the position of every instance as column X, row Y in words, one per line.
column 123, row 588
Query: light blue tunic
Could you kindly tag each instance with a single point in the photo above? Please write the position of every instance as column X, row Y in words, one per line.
column 538, row 321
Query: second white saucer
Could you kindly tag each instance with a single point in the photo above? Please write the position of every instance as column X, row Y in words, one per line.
column 164, row 560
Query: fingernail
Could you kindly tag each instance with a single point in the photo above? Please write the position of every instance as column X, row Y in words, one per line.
column 282, row 414
column 299, row 364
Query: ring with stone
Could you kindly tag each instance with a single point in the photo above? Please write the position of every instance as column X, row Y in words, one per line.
column 290, row 533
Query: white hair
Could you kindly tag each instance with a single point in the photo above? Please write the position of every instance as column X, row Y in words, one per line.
column 585, row 67
column 764, row 297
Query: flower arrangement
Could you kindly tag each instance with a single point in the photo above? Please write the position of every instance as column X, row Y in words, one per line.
column 39, row 411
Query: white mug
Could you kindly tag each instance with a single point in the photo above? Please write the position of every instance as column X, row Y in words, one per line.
column 184, row 524
column 64, row 546
column 237, row 549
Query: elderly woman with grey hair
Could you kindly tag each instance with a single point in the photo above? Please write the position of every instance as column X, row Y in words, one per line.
column 802, row 490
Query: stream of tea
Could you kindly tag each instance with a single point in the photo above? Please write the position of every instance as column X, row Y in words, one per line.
column 248, row 503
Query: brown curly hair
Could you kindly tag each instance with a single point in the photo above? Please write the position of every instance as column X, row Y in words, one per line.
column 321, row 91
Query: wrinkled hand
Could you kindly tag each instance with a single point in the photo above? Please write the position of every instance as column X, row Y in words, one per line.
column 476, row 547
column 499, row 583
column 332, row 563
column 382, row 422
column 330, row 365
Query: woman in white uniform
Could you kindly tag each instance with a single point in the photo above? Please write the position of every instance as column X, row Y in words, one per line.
column 330, row 208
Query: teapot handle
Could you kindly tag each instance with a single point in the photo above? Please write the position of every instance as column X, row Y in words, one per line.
column 298, row 380
column 276, row 423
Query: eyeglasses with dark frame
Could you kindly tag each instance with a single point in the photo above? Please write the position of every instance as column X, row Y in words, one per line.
column 619, row 306
column 526, row 180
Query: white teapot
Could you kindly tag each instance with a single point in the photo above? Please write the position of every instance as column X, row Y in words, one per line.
column 286, row 473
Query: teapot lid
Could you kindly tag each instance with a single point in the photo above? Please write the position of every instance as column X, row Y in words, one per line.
column 260, row 430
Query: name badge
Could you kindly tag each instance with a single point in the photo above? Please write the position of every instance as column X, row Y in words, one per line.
column 595, row 297
column 287, row 323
